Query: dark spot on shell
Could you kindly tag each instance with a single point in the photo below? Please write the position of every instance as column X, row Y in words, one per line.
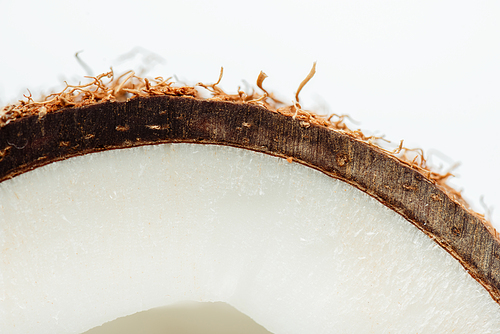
column 456, row 231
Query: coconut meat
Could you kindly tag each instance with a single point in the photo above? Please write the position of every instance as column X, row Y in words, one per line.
column 101, row 236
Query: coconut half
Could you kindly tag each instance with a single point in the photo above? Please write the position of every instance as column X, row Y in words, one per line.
column 300, row 227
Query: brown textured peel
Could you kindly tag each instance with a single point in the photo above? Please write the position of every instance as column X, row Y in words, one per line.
column 35, row 140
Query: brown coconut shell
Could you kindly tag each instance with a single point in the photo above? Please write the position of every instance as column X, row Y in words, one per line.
column 31, row 141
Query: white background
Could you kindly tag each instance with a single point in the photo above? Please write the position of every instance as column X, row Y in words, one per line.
column 427, row 72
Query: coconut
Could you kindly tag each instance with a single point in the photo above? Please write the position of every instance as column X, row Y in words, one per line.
column 111, row 208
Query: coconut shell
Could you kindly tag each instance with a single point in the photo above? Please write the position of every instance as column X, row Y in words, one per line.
column 36, row 140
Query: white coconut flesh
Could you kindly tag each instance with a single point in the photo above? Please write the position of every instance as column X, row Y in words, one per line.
column 101, row 236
